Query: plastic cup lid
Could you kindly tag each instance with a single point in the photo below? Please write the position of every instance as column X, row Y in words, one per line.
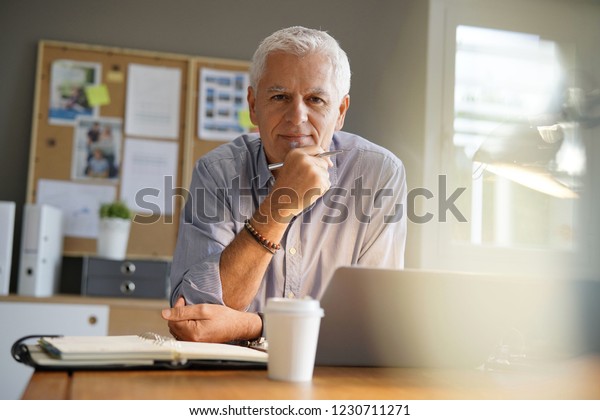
column 293, row 305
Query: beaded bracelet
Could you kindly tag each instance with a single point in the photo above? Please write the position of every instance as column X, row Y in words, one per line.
column 268, row 245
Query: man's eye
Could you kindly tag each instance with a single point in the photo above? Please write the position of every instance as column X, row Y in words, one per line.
column 278, row 97
column 316, row 100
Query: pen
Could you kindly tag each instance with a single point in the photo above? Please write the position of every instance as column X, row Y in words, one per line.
column 324, row 154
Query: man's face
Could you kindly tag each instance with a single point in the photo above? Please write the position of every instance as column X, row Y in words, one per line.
column 296, row 104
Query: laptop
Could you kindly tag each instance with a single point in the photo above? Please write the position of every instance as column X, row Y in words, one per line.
column 418, row 318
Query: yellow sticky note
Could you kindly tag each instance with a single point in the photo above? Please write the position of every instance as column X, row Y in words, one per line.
column 115, row 76
column 97, row 95
column 244, row 119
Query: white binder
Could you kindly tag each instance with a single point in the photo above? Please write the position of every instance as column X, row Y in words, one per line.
column 7, row 227
column 41, row 250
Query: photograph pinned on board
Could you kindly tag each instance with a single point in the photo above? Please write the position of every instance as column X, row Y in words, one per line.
column 68, row 98
column 222, row 108
column 97, row 148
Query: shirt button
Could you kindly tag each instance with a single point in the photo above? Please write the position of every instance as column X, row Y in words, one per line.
column 293, row 251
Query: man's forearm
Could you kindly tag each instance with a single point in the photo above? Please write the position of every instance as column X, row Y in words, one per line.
column 244, row 262
column 242, row 267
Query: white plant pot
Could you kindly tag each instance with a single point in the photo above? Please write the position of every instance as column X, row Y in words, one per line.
column 113, row 236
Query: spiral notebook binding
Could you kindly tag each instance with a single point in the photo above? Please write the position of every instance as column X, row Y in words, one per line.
column 159, row 340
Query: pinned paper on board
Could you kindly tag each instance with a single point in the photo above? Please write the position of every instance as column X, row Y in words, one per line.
column 245, row 121
column 152, row 102
column 69, row 80
column 223, row 109
column 97, row 95
column 96, row 151
column 149, row 175
column 80, row 204
column 115, row 76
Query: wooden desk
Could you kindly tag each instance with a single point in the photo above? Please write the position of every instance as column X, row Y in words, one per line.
column 574, row 379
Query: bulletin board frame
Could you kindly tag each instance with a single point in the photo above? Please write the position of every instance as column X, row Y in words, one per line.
column 53, row 145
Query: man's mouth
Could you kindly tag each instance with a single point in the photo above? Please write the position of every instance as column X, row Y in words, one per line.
column 297, row 140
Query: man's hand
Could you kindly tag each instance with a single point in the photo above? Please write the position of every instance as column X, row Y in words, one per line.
column 211, row 323
column 303, row 178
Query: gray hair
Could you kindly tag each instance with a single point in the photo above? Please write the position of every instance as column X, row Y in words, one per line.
column 301, row 41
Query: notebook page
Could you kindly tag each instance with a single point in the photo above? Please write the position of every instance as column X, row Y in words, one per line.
column 188, row 350
column 119, row 347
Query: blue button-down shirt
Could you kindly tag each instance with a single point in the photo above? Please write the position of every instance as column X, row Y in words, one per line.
column 360, row 220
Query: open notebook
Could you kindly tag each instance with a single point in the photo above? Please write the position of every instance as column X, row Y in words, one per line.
column 148, row 350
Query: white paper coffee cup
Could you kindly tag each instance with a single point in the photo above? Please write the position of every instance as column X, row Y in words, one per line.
column 292, row 331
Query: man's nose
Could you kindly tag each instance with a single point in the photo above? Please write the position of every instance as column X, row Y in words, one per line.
column 297, row 112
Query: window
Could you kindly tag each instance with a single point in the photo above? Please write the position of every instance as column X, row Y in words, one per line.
column 507, row 84
column 501, row 87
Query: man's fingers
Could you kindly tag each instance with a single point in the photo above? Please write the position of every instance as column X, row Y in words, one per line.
column 328, row 160
column 177, row 312
column 183, row 312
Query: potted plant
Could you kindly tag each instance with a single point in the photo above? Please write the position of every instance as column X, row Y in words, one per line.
column 113, row 234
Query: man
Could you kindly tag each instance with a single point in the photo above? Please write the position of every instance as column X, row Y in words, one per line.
column 98, row 165
column 248, row 233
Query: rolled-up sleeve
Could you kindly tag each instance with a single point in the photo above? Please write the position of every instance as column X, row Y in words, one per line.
column 206, row 228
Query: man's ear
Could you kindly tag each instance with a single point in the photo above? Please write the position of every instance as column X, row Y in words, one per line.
column 344, row 105
column 251, row 105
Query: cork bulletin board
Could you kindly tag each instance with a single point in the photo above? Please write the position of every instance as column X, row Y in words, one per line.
column 147, row 134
